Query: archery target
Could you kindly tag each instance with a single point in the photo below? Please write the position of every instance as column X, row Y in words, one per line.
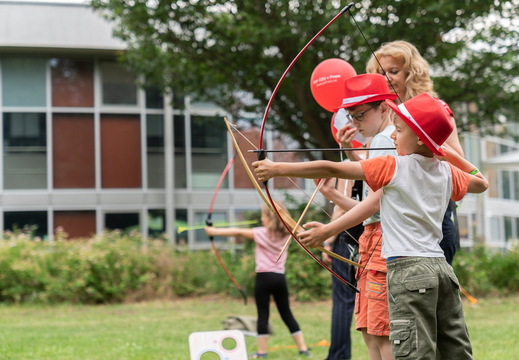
column 227, row 344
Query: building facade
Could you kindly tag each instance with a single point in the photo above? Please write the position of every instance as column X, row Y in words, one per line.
column 84, row 148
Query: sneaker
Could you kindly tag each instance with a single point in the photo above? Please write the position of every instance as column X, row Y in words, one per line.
column 305, row 353
column 257, row 355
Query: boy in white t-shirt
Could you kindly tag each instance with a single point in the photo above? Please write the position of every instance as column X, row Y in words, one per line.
column 425, row 308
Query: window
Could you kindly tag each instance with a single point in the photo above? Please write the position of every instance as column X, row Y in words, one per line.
column 154, row 98
column 118, row 85
column 155, row 150
column 503, row 149
column 505, row 178
column 72, row 82
column 181, row 226
column 495, row 230
column 515, row 176
column 508, row 229
column 126, row 222
column 156, row 222
column 209, row 151
column 180, row 152
column 463, row 227
column 25, row 151
column 33, row 221
column 24, row 82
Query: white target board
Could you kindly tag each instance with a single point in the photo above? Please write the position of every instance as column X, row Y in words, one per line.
column 228, row 344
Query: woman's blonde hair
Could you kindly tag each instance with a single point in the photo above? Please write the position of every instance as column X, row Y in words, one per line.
column 418, row 80
column 275, row 226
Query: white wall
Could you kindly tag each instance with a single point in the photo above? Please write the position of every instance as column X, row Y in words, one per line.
column 53, row 25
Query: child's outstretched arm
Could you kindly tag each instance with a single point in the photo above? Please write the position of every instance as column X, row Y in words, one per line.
column 320, row 169
column 319, row 233
column 478, row 183
column 233, row 231
column 337, row 197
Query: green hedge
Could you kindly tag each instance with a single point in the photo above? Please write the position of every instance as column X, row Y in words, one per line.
column 483, row 271
column 113, row 268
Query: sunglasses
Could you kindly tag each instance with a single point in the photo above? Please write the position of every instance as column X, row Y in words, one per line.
column 359, row 117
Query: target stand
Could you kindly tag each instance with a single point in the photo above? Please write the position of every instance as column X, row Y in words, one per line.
column 227, row 344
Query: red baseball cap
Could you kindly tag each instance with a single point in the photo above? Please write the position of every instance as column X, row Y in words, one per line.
column 365, row 88
column 427, row 117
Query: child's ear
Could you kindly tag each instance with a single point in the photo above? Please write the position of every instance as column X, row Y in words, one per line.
column 420, row 142
column 384, row 108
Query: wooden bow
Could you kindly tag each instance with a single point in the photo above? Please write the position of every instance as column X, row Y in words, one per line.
column 286, row 218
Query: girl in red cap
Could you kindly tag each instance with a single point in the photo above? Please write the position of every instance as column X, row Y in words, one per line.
column 425, row 308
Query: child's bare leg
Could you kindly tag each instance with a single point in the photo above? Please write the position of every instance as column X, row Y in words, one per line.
column 262, row 344
column 373, row 352
column 379, row 347
column 300, row 341
column 384, row 346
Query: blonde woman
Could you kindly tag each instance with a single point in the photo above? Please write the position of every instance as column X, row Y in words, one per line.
column 408, row 72
column 270, row 276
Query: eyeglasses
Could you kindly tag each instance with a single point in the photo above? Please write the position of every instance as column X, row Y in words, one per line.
column 359, row 116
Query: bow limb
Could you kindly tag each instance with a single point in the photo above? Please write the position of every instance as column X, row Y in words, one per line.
column 209, row 222
column 222, row 263
column 282, row 214
column 246, row 166
column 261, row 155
column 285, row 73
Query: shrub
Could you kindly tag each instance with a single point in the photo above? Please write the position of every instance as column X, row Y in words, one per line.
column 484, row 271
column 114, row 267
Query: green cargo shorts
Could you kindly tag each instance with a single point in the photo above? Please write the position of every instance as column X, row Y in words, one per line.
column 425, row 310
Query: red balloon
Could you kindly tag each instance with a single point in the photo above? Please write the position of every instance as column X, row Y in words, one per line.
column 327, row 82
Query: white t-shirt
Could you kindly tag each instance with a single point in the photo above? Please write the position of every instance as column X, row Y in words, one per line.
column 381, row 140
column 416, row 192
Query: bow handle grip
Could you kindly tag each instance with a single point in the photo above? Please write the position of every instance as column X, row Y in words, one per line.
column 261, row 156
column 209, row 222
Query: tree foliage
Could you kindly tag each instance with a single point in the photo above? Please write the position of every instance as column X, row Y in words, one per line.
column 233, row 52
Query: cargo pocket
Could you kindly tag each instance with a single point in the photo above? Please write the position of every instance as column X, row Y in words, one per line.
column 400, row 337
column 454, row 279
column 421, row 283
column 376, row 288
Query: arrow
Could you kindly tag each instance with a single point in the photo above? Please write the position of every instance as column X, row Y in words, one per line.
column 223, row 224
column 327, row 149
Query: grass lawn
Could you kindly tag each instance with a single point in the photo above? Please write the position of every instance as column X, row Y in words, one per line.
column 159, row 330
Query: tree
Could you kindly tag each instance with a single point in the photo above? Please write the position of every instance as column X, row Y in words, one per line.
column 228, row 51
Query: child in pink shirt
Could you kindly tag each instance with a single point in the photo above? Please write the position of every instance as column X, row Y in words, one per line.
column 270, row 276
